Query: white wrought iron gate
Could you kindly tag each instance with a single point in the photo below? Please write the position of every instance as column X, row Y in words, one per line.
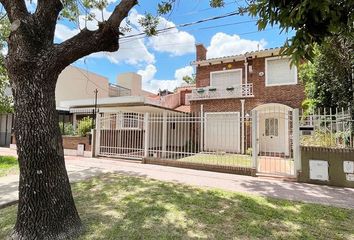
column 121, row 135
column 277, row 141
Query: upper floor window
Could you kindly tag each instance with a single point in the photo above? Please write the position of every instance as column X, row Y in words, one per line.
column 226, row 78
column 279, row 72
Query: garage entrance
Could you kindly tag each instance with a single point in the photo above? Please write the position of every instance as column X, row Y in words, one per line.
column 222, row 132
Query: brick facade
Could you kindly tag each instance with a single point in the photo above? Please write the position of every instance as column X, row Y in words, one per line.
column 290, row 95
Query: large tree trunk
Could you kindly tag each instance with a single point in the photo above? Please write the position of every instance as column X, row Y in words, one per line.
column 46, row 208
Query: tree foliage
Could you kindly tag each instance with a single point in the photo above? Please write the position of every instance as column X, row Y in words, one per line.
column 328, row 78
column 5, row 98
column 189, row 79
column 313, row 22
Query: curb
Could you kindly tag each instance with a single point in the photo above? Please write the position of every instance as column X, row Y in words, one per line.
column 8, row 204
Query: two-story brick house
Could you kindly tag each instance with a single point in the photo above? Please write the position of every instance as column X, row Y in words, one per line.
column 233, row 86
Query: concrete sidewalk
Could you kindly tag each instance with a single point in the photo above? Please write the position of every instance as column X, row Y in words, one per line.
column 81, row 168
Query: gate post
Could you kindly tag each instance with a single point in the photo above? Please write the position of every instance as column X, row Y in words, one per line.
column 254, row 139
column 97, row 136
column 201, row 128
column 296, row 141
column 164, row 134
column 147, row 135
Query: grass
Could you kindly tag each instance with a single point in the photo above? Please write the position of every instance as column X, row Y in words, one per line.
column 8, row 165
column 116, row 206
column 236, row 160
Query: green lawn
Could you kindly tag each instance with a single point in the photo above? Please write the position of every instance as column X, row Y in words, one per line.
column 115, row 206
column 236, row 160
column 8, row 165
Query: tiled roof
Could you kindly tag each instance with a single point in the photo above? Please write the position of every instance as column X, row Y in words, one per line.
column 183, row 108
column 240, row 55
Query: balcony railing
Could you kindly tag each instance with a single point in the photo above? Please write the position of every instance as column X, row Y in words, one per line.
column 239, row 91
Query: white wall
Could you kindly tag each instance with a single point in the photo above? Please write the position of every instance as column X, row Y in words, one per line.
column 76, row 83
column 133, row 82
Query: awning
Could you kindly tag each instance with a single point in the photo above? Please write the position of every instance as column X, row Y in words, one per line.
column 83, row 110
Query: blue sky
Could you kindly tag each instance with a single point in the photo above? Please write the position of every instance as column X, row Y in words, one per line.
column 165, row 59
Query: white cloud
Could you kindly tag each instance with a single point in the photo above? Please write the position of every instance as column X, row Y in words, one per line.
column 222, row 44
column 63, row 32
column 153, row 85
column 172, row 41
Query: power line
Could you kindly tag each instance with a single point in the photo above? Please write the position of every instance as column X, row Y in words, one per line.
column 88, row 79
column 186, row 24
column 192, row 30
column 174, row 44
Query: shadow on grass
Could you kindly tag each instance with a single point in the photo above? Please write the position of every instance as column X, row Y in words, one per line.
column 114, row 206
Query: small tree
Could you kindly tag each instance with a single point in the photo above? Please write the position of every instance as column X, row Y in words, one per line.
column 189, row 79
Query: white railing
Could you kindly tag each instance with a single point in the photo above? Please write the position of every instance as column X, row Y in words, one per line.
column 239, row 91
column 327, row 128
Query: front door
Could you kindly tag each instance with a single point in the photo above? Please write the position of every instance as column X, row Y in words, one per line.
column 272, row 133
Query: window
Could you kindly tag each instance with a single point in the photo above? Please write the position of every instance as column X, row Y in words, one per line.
column 130, row 120
column 279, row 72
column 271, row 127
column 227, row 78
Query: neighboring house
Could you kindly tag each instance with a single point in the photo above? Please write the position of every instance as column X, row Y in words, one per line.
column 232, row 86
column 126, row 95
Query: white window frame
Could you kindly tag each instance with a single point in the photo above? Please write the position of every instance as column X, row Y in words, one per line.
column 278, row 84
column 222, row 71
column 130, row 121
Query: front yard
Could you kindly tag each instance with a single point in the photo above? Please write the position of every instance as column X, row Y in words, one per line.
column 235, row 160
column 8, row 165
column 116, row 206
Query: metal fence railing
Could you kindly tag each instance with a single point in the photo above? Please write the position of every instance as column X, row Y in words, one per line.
column 327, row 128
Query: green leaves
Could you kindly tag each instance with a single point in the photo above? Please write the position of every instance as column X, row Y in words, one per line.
column 149, row 23
column 313, row 22
column 5, row 100
column 328, row 78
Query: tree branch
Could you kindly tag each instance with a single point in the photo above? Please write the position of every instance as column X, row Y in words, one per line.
column 103, row 39
column 16, row 9
column 46, row 16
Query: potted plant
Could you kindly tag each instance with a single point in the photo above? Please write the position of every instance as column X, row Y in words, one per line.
column 230, row 88
column 212, row 89
column 200, row 90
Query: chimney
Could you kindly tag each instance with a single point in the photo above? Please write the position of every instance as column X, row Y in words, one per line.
column 201, row 52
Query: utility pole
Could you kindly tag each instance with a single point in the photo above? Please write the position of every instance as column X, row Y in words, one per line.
column 95, row 110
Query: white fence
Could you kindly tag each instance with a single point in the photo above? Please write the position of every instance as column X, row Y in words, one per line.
column 267, row 139
column 223, row 138
column 327, row 128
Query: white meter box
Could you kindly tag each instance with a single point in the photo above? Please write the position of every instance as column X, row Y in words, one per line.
column 348, row 166
column 319, row 170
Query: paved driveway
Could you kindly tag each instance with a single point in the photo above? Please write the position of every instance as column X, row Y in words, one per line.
column 81, row 168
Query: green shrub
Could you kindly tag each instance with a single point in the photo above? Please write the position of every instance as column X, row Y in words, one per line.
column 249, row 151
column 319, row 138
column 84, row 126
column 67, row 130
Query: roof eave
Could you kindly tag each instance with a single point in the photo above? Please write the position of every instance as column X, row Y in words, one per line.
column 227, row 59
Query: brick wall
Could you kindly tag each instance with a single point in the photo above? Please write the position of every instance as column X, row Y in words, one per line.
column 290, row 95
column 71, row 142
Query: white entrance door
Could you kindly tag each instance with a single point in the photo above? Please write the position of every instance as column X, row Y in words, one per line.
column 273, row 133
column 222, row 132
